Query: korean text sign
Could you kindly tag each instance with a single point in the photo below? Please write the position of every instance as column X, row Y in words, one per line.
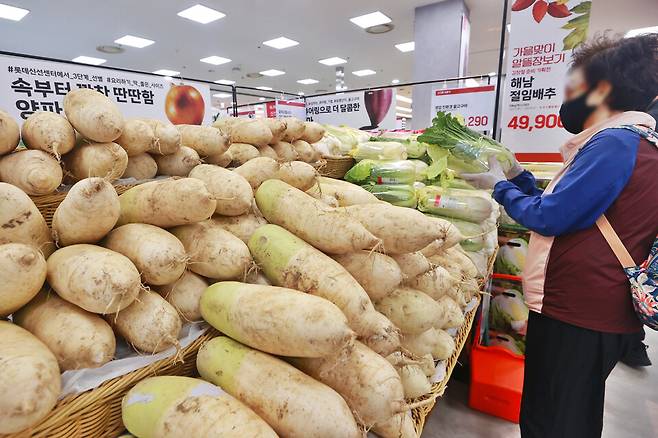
column 540, row 46
column 28, row 85
column 368, row 110
column 475, row 104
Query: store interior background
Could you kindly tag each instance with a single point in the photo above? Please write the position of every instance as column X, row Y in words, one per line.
column 66, row 30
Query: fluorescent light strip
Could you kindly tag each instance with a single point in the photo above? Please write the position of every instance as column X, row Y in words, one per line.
column 133, row 41
column 395, row 81
column 12, row 13
column 406, row 47
column 272, row 72
column 332, row 61
column 405, row 116
column 403, row 108
column 369, row 20
column 307, row 81
column 224, row 82
column 221, row 95
column 215, row 60
column 264, row 88
column 89, row 60
column 403, row 99
column 281, row 43
column 201, row 14
column 165, row 72
column 365, row 72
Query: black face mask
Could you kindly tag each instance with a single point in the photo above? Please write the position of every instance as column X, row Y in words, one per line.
column 574, row 112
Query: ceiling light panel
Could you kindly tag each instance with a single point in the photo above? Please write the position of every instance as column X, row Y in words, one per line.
column 215, row 60
column 12, row 13
column 165, row 72
column 89, row 60
column 307, row 81
column 264, row 88
column 395, row 81
column 281, row 43
column 369, row 20
column 406, row 47
column 403, row 108
column 272, row 72
column 225, row 82
column 133, row 41
column 404, row 116
column 332, row 61
column 365, row 72
column 201, row 14
column 221, row 95
column 403, row 98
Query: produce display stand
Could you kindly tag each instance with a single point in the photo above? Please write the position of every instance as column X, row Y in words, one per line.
column 97, row 412
column 426, row 403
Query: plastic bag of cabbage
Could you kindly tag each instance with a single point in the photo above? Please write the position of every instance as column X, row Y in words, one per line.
column 511, row 256
column 413, row 147
column 379, row 150
column 382, row 172
column 469, row 205
column 401, row 195
column 469, row 146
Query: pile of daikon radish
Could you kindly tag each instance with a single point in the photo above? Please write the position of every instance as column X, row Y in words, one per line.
column 334, row 305
column 65, row 149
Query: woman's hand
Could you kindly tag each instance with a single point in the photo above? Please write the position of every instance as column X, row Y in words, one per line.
column 488, row 180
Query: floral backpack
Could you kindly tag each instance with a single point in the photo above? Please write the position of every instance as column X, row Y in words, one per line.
column 644, row 277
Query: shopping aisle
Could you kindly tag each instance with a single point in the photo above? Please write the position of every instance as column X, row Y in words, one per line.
column 631, row 406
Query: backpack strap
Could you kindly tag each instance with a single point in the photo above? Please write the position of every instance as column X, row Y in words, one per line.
column 615, row 242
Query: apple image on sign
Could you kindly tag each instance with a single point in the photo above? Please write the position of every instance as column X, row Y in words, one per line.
column 184, row 105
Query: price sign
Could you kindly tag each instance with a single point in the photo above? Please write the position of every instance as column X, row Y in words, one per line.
column 475, row 104
column 540, row 47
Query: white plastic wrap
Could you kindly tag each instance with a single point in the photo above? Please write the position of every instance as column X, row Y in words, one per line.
column 126, row 360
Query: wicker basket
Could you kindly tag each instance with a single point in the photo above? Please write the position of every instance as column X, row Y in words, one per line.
column 427, row 402
column 335, row 167
column 97, row 412
column 47, row 204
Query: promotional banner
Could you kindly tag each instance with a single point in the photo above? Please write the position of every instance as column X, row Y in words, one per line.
column 475, row 104
column 286, row 108
column 28, row 85
column 370, row 109
column 541, row 41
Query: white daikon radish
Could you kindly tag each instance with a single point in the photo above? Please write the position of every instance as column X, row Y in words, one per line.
column 94, row 278
column 294, row 404
column 30, row 382
column 141, row 167
column 231, row 191
column 412, row 311
column 176, row 406
column 93, row 115
column 137, row 137
column 49, row 132
column 77, row 338
column 180, row 163
column 34, row 171
column 185, row 295
column 158, row 255
column 22, row 273
column 149, row 324
column 88, row 212
column 242, row 226
column 10, row 133
column 377, row 273
column 257, row 170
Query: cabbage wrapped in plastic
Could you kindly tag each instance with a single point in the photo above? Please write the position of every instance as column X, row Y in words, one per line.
column 382, row 172
column 329, row 146
column 349, row 137
column 474, row 234
column 506, row 341
column 402, row 195
column 466, row 145
column 379, row 150
column 421, row 169
column 508, row 310
column 468, row 205
column 413, row 147
column 511, row 256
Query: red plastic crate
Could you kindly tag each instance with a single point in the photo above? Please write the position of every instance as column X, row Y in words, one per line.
column 496, row 380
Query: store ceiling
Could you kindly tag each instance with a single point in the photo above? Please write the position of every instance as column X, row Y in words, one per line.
column 70, row 28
